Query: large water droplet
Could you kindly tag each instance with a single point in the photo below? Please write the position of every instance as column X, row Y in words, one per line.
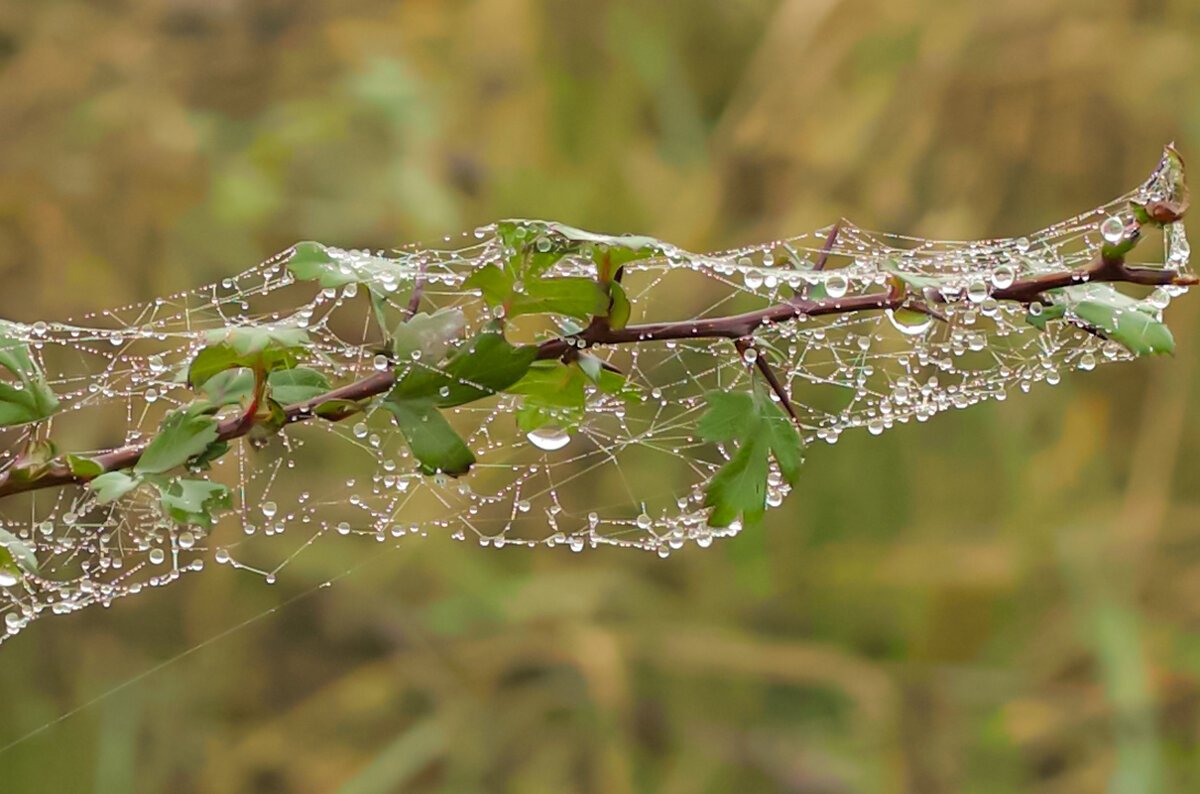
column 1112, row 229
column 909, row 322
column 836, row 286
column 549, row 438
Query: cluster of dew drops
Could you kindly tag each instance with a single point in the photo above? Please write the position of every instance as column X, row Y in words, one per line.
column 893, row 367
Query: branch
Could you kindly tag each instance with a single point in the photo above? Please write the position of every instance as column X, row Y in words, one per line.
column 735, row 327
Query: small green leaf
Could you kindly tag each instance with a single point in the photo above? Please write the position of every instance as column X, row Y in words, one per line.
column 113, row 485
column 311, row 262
column 427, row 334
column 34, row 461
column 256, row 347
column 336, row 410
column 619, row 309
column 230, row 387
column 297, row 385
column 82, row 466
column 17, row 558
column 552, row 394
column 204, row 460
column 484, row 365
column 494, row 284
column 181, row 436
column 739, row 487
column 430, row 437
column 189, row 501
column 33, row 400
column 761, row 429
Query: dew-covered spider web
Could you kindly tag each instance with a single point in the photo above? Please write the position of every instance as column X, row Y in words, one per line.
column 630, row 472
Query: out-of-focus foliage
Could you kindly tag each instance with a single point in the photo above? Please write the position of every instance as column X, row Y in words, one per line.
column 1002, row 601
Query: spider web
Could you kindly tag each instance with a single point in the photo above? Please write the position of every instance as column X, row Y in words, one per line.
column 630, row 474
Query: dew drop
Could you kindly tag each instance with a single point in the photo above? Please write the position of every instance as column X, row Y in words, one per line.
column 549, row 438
column 1113, row 229
column 977, row 291
column 836, row 286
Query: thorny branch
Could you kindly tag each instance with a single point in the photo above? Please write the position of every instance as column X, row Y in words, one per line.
column 738, row 327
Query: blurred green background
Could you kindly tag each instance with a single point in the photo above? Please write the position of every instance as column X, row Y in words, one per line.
column 1006, row 599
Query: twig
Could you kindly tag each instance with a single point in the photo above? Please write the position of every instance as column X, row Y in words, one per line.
column 733, row 327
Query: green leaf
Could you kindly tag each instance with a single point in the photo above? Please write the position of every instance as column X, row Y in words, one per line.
column 427, row 334
column 255, row 347
column 336, row 410
column 113, row 485
column 1138, row 331
column 181, row 436
column 82, row 466
column 552, row 394
column 311, row 262
column 189, row 501
column 14, row 352
column 230, row 387
column 34, row 461
column 571, row 296
column 917, row 281
column 17, row 558
column 430, row 437
column 297, row 385
column 30, row 399
column 494, row 284
column 761, row 429
column 484, row 365
column 1132, row 323
column 781, row 435
column 619, row 308
column 740, row 487
column 213, row 452
column 561, row 239
column 730, row 416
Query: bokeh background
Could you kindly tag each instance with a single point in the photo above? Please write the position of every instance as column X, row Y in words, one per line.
column 1006, row 599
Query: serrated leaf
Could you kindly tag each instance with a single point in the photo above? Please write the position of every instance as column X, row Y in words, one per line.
column 297, row 385
column 433, row 442
column 254, row 347
column 190, row 501
column 761, row 429
column 17, row 557
column 113, row 485
column 181, row 436
column 739, row 487
column 730, row 415
column 781, row 435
